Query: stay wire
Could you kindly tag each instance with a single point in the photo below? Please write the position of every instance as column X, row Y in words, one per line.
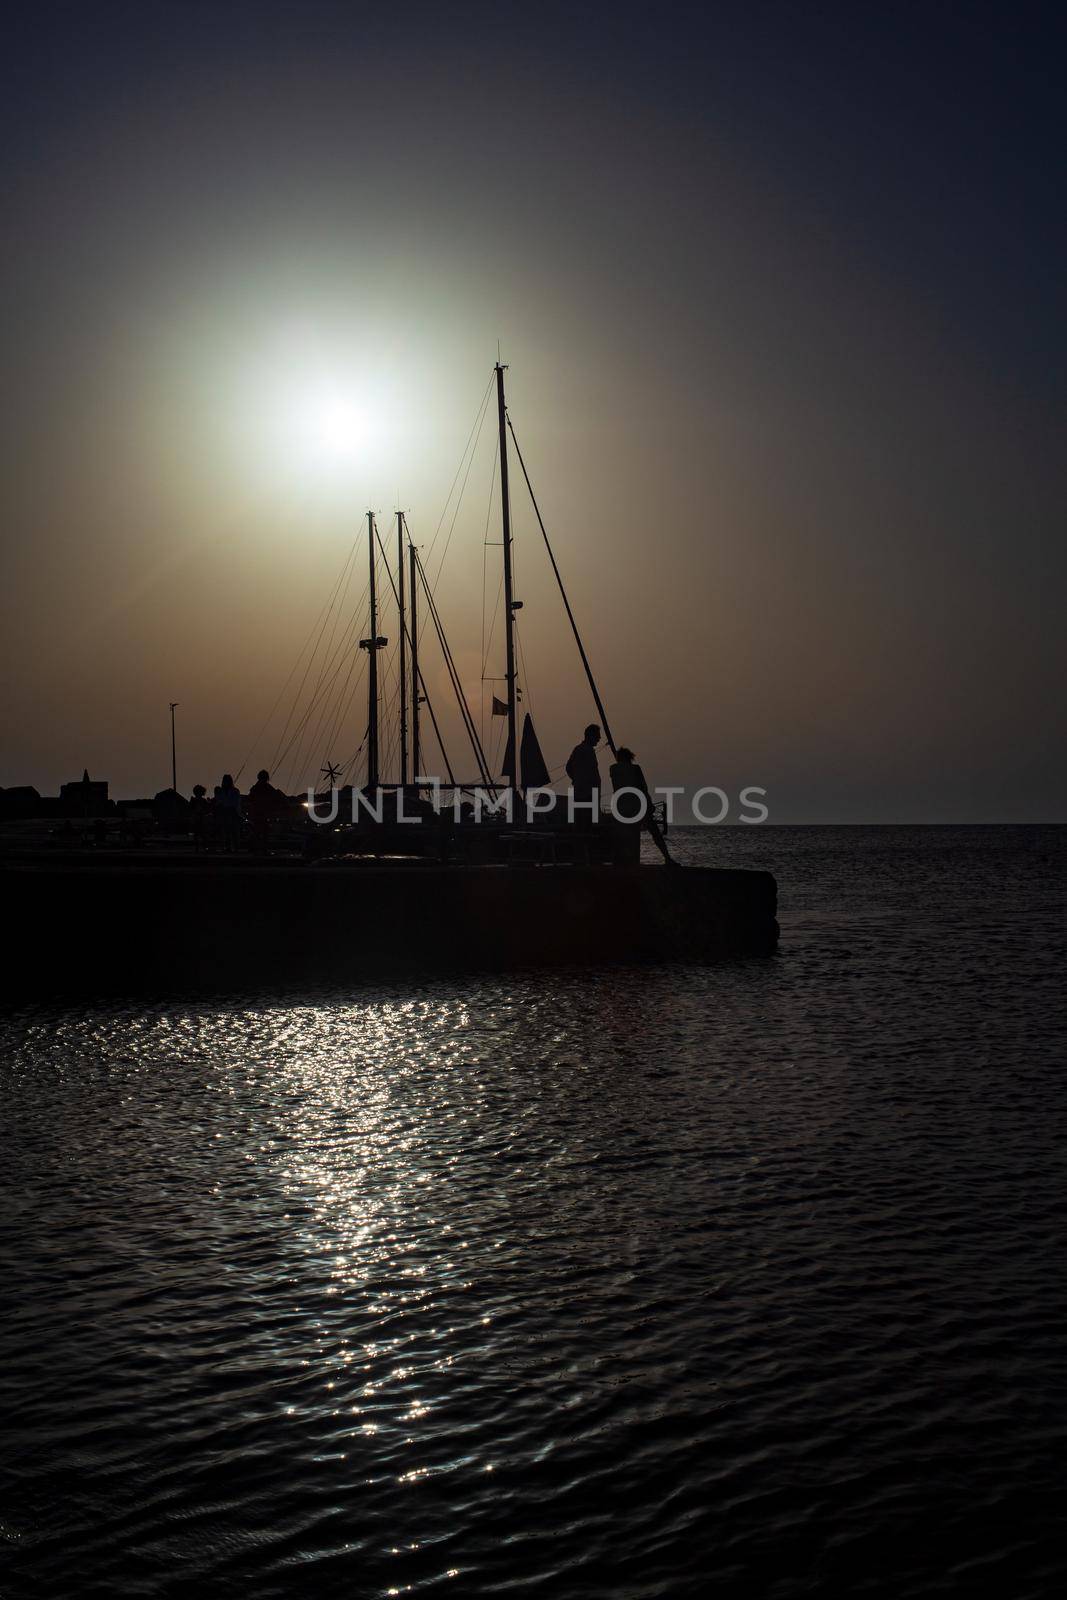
column 320, row 619
column 654, row 828
column 461, row 699
column 422, row 681
column 475, row 426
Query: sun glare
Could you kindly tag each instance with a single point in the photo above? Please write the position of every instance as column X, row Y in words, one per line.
column 321, row 421
column 330, row 426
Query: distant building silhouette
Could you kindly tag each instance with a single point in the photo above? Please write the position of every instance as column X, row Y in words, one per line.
column 85, row 799
column 20, row 801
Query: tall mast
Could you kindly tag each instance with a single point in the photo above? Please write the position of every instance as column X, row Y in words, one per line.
column 372, row 646
column 403, row 649
column 510, row 605
column 416, row 753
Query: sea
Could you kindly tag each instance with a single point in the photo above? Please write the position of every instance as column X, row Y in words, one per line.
column 637, row 1283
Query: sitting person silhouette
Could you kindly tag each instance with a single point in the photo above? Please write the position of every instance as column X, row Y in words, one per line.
column 631, row 807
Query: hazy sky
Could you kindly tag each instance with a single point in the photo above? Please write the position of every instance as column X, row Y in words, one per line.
column 781, row 292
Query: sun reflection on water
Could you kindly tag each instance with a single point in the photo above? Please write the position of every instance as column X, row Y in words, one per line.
column 544, row 1278
column 376, row 1105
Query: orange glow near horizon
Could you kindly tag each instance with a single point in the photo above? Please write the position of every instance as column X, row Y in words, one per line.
column 799, row 507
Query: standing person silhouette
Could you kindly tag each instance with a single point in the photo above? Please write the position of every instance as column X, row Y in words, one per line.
column 199, row 811
column 583, row 768
column 228, row 812
column 264, row 803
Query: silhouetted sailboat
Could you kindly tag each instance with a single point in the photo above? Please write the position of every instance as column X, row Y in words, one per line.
column 410, row 588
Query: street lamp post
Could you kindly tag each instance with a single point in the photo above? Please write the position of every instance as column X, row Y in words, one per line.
column 173, row 750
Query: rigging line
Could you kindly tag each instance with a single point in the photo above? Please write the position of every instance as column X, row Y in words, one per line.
column 323, row 614
column 459, row 469
column 464, row 709
column 354, row 758
column 327, row 661
column 390, row 700
column 567, row 605
column 336, row 620
column 324, row 617
column 476, row 424
column 341, row 710
column 525, row 675
column 484, row 652
column 459, row 502
column 437, row 732
column 472, row 732
column 336, row 732
column 322, row 688
column 499, row 593
column 458, row 508
column 299, row 732
column 654, row 828
column 485, row 546
column 461, row 699
column 333, row 659
column 343, row 652
column 492, row 628
column 498, row 747
column 326, row 736
column 422, row 680
column 344, row 706
column 333, row 696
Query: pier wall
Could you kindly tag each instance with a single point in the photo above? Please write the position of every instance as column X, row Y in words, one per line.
column 106, row 927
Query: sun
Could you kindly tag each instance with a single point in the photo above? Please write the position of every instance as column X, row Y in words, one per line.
column 330, row 426
column 320, row 420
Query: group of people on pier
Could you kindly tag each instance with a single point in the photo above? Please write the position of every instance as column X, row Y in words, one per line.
column 219, row 821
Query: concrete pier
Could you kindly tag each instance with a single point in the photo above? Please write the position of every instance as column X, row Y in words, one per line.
column 100, row 924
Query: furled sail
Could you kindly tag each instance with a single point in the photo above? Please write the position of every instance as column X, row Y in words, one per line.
column 531, row 761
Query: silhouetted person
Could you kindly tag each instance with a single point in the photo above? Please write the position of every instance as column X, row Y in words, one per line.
column 264, row 803
column 199, row 812
column 228, row 812
column 631, row 809
column 264, row 793
column 582, row 767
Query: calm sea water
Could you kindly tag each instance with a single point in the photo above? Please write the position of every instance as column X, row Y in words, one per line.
column 743, row 1280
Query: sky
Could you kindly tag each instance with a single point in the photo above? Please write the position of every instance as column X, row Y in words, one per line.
column 780, row 291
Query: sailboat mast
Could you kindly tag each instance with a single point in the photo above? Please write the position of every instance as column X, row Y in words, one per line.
column 416, row 754
column 372, row 677
column 403, row 649
column 509, row 602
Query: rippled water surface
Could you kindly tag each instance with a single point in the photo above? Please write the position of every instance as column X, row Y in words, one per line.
column 744, row 1280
